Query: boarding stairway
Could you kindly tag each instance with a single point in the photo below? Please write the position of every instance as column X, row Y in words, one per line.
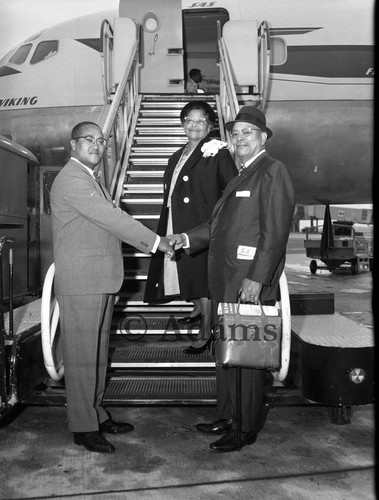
column 147, row 364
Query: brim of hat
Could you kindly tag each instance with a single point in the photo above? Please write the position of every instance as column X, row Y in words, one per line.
column 229, row 127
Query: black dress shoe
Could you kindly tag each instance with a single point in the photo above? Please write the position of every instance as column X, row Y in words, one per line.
column 217, row 427
column 198, row 350
column 113, row 427
column 229, row 441
column 189, row 320
column 93, row 441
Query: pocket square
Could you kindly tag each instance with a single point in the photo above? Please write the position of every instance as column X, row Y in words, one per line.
column 243, row 194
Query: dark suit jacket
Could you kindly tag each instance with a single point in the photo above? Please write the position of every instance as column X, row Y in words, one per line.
column 254, row 212
column 87, row 229
column 198, row 187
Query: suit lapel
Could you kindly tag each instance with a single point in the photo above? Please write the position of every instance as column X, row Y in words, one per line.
column 236, row 181
column 96, row 181
column 192, row 160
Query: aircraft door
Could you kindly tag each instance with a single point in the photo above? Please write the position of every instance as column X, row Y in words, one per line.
column 161, row 44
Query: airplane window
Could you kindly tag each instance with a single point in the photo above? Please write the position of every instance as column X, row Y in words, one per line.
column 44, row 50
column 278, row 51
column 21, row 54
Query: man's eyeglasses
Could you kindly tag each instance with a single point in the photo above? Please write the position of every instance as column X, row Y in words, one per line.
column 91, row 140
column 245, row 132
column 199, row 121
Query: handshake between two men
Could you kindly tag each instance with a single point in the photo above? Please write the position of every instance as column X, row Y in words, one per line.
column 168, row 244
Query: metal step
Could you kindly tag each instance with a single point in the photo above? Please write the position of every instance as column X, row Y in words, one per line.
column 177, row 141
column 161, row 390
column 179, row 97
column 156, row 166
column 168, row 121
column 183, row 308
column 141, row 209
column 136, row 174
column 165, row 104
column 173, row 103
column 151, row 356
column 159, row 113
column 160, row 131
column 130, row 199
column 130, row 188
column 146, row 218
column 146, row 321
column 138, row 298
column 165, row 151
column 144, row 179
column 134, row 275
column 149, row 162
column 136, row 265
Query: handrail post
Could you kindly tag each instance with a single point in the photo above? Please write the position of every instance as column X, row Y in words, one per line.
column 264, row 62
column 117, row 119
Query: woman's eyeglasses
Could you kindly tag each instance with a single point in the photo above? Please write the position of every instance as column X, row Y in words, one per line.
column 199, row 121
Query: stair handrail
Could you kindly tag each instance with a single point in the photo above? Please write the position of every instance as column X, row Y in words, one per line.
column 106, row 40
column 118, row 118
column 228, row 98
column 264, row 55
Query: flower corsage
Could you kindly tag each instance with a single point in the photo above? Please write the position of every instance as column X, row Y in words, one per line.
column 212, row 147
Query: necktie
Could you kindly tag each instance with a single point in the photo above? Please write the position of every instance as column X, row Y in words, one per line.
column 96, row 177
column 242, row 168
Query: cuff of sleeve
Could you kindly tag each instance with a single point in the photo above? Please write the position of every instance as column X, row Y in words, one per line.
column 155, row 246
column 187, row 242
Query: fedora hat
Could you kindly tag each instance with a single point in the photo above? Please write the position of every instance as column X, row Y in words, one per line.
column 253, row 115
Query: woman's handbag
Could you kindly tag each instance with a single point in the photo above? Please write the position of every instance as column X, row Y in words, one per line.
column 249, row 336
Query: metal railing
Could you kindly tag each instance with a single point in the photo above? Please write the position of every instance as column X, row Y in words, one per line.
column 106, row 39
column 228, row 98
column 264, row 60
column 228, row 101
column 120, row 111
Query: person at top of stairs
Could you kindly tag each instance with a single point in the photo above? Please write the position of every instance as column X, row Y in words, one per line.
column 194, row 179
column 193, row 83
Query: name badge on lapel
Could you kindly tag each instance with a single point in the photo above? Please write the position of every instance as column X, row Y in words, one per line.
column 243, row 194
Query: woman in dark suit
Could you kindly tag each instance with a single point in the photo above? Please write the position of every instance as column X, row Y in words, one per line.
column 194, row 180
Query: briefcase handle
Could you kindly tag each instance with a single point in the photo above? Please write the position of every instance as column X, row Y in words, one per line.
column 259, row 304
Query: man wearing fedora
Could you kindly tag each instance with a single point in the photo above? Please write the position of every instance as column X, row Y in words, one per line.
column 247, row 236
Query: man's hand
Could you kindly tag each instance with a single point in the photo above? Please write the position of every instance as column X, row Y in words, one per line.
column 177, row 240
column 166, row 246
column 250, row 291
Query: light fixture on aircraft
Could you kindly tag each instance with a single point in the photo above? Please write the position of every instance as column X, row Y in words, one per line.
column 357, row 375
column 151, row 22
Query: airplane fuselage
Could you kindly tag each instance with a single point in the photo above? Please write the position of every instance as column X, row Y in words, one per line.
column 319, row 104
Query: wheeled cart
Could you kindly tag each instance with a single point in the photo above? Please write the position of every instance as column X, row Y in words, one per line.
column 349, row 250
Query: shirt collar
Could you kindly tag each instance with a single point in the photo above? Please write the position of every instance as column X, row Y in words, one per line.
column 85, row 166
column 249, row 162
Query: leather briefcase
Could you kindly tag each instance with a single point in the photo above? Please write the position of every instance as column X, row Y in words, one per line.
column 248, row 335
